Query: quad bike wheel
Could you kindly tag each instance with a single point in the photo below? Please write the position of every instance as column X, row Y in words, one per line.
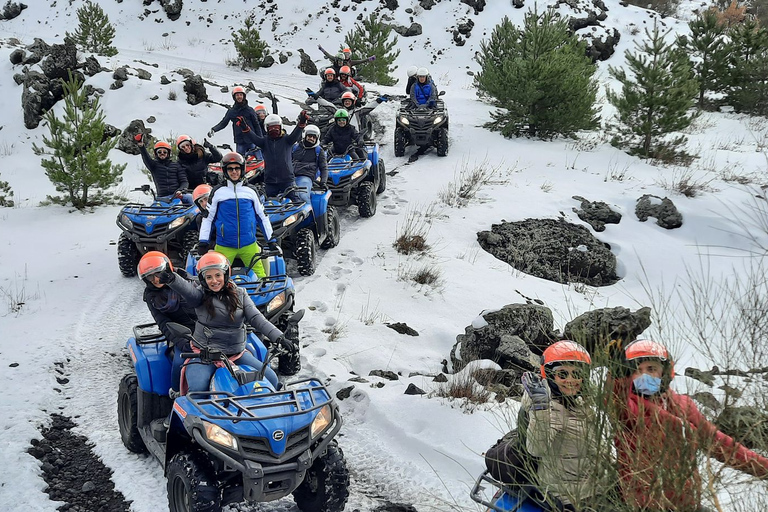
column 382, row 176
column 188, row 244
column 305, row 252
column 332, row 228
column 128, row 414
column 400, row 142
column 289, row 364
column 442, row 142
column 366, row 199
column 191, row 487
column 326, row 484
column 127, row 255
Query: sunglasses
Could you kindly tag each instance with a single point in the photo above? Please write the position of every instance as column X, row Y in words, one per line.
column 232, row 168
column 162, row 151
column 566, row 374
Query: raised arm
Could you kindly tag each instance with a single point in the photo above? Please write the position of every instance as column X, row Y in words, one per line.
column 191, row 293
column 256, row 319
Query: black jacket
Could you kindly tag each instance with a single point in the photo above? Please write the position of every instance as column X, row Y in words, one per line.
column 166, row 306
column 248, row 114
column 332, row 91
column 195, row 164
column 342, row 138
column 307, row 161
column 411, row 80
column 168, row 175
column 278, row 165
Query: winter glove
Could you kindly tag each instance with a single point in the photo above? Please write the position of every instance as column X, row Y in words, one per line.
column 202, row 248
column 177, row 194
column 431, row 103
column 287, row 344
column 303, row 118
column 210, row 132
column 166, row 276
column 138, row 137
column 310, row 92
column 207, row 144
column 537, row 389
column 371, row 58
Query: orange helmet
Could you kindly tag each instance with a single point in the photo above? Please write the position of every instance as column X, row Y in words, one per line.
column 565, row 351
column 238, row 89
column 201, row 191
column 344, row 70
column 329, row 71
column 181, row 139
column 348, row 96
column 640, row 350
column 161, row 144
column 347, row 51
column 212, row 260
column 260, row 108
column 152, row 263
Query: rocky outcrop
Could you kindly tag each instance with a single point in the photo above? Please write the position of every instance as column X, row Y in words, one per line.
column 663, row 210
column 596, row 213
column 195, row 89
column 414, row 30
column 552, row 249
column 172, row 8
column 306, row 65
column 91, row 66
column 12, row 10
column 61, row 60
column 477, row 5
column 127, row 143
column 599, row 328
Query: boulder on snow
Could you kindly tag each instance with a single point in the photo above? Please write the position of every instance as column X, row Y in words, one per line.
column 12, row 10
column 195, row 89
column 596, row 329
column 403, row 328
column 391, row 4
column 663, row 210
column 477, row 5
column 597, row 214
column 126, row 143
column 186, row 73
column 40, row 94
column 413, row 389
column 38, row 49
column 17, row 56
column 267, row 61
column 306, row 65
column 164, row 80
column 384, row 374
column 61, row 60
column 91, row 66
column 117, row 84
column 143, row 74
column 121, row 73
column 413, row 30
column 172, row 8
column 602, row 48
column 552, row 249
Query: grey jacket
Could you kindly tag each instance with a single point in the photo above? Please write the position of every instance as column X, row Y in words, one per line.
column 219, row 332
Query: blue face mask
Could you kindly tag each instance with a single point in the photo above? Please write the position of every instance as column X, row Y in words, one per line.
column 647, row 384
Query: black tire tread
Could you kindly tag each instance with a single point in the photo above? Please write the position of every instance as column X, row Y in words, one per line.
column 129, row 386
column 127, row 255
column 305, row 252
column 382, row 176
column 400, row 142
column 333, row 228
column 205, row 495
column 333, row 483
column 366, row 199
column 442, row 142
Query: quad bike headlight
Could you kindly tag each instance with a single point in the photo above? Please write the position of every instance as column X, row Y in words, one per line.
column 218, row 435
column 321, row 421
column 404, row 120
column 125, row 221
column 176, row 223
column 358, row 173
column 438, row 120
column 276, row 302
column 290, row 220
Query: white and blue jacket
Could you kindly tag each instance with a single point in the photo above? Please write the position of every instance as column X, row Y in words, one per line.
column 236, row 213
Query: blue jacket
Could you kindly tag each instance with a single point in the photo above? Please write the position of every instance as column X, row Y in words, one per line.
column 248, row 114
column 278, row 164
column 422, row 94
column 311, row 162
column 236, row 213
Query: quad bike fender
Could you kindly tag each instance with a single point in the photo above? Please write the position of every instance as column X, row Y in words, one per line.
column 152, row 366
column 373, row 153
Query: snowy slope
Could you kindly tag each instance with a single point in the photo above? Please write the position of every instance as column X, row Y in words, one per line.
column 423, row 450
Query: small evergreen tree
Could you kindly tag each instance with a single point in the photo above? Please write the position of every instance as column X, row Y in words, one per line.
column 748, row 68
column 371, row 38
column 94, row 33
column 539, row 76
column 655, row 99
column 707, row 43
column 79, row 163
column 251, row 50
column 6, row 194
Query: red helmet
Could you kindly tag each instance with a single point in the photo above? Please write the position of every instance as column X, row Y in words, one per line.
column 181, row 139
column 565, row 351
column 238, row 89
column 152, row 263
column 329, row 71
column 640, row 350
column 344, row 70
column 201, row 191
column 212, row 260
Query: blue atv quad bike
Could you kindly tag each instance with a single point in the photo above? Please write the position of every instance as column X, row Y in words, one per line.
column 422, row 126
column 274, row 296
column 241, row 441
column 513, row 498
column 301, row 228
column 354, row 181
column 165, row 226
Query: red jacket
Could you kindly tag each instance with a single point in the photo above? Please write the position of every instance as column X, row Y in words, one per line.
column 658, row 445
column 355, row 86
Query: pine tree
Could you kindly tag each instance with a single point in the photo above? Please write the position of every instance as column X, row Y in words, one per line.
column 540, row 77
column 656, row 99
column 707, row 44
column 94, row 33
column 6, row 194
column 748, row 68
column 371, row 38
column 251, row 50
column 79, row 163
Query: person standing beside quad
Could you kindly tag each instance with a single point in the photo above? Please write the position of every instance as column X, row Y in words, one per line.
column 169, row 177
column 240, row 113
column 236, row 214
column 309, row 163
column 195, row 159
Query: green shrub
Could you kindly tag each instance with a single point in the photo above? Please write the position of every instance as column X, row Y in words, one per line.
column 94, row 32
column 251, row 50
column 369, row 38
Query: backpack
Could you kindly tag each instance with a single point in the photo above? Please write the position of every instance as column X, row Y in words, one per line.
column 508, row 461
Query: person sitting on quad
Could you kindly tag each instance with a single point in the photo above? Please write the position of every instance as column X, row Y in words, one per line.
column 348, row 101
column 345, row 59
column 661, row 433
column 261, row 114
column 239, row 114
column 559, row 429
column 166, row 306
column 309, row 162
column 424, row 92
column 201, row 195
column 353, row 85
column 411, row 79
column 342, row 137
column 169, row 177
column 236, row 214
column 331, row 89
column 195, row 159
column 277, row 147
column 222, row 309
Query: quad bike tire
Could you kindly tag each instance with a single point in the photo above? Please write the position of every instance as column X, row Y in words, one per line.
column 400, row 142
column 332, row 228
column 128, row 414
column 366, row 199
column 191, row 486
column 305, row 252
column 442, row 142
column 289, row 364
column 127, row 255
column 188, row 245
column 382, row 176
column 326, row 484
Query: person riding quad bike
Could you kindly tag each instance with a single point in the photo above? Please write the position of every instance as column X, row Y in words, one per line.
column 424, row 91
column 310, row 164
column 331, row 89
column 353, row 85
column 195, row 159
column 240, row 113
column 344, row 58
column 343, row 137
column 169, row 177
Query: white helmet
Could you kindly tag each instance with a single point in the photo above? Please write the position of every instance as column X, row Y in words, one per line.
column 412, row 71
column 272, row 120
column 312, row 130
column 422, row 72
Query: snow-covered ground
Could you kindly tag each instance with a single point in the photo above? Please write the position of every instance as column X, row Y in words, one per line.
column 424, row 450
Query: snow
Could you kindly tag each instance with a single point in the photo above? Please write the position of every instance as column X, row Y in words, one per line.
column 425, row 450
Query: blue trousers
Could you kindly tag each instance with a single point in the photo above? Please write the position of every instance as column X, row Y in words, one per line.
column 244, row 147
column 305, row 187
column 275, row 189
column 199, row 375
